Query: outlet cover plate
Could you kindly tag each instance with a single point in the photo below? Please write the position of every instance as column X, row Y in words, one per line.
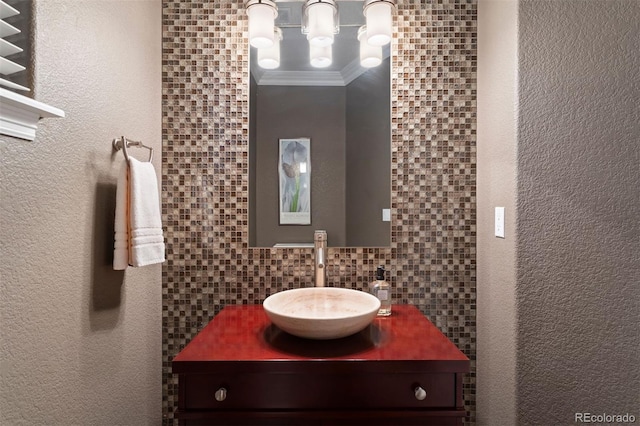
column 499, row 222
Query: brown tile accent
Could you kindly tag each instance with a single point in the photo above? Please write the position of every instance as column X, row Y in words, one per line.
column 432, row 257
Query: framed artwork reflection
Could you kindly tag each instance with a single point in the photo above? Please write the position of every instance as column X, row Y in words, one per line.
column 294, row 173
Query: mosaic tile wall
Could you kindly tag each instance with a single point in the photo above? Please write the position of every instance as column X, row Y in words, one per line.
column 205, row 182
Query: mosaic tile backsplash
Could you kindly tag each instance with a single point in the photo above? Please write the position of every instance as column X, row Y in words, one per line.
column 432, row 257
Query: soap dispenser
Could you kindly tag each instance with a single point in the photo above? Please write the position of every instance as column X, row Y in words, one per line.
column 382, row 290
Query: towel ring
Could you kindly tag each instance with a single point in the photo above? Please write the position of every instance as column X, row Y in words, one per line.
column 123, row 143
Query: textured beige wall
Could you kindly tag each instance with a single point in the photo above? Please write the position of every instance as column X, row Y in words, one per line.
column 559, row 80
column 497, row 115
column 578, row 209
column 80, row 344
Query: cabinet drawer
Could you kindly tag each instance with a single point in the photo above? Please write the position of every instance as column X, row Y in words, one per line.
column 258, row 391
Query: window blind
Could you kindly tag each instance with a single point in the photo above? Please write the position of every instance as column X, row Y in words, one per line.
column 14, row 38
column 19, row 114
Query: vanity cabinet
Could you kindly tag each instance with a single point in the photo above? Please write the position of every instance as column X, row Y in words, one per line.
column 242, row 370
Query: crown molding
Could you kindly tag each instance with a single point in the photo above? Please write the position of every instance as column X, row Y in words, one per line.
column 352, row 71
column 301, row 78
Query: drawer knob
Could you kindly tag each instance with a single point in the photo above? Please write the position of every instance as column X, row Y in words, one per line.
column 221, row 394
column 420, row 393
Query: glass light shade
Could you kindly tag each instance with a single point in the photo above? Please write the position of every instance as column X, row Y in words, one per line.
column 261, row 24
column 379, row 22
column 269, row 57
column 320, row 56
column 370, row 56
column 320, row 24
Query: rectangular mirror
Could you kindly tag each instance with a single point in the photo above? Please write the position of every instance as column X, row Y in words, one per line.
column 339, row 179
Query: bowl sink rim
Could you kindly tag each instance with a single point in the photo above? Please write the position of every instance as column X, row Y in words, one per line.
column 323, row 327
column 270, row 300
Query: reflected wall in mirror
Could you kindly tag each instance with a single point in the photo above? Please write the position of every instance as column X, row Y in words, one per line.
column 345, row 111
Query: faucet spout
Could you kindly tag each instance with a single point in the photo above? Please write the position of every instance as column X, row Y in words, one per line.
column 320, row 252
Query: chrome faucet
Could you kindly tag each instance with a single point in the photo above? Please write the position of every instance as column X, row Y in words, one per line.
column 320, row 251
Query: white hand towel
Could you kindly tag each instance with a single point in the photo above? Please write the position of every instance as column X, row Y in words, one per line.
column 141, row 228
column 146, row 245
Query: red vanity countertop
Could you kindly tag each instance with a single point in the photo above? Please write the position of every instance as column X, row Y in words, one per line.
column 243, row 336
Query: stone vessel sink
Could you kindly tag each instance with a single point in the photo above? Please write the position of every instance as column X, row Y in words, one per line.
column 321, row 312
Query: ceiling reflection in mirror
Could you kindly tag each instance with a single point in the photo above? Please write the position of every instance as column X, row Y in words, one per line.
column 343, row 111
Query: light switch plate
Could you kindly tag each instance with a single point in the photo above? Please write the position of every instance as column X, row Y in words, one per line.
column 386, row 215
column 499, row 222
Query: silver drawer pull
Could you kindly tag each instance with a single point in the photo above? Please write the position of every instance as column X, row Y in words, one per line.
column 221, row 394
column 420, row 393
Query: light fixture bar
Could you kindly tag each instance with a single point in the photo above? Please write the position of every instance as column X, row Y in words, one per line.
column 320, row 22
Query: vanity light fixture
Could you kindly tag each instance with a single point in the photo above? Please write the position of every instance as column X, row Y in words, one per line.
column 262, row 15
column 370, row 56
column 321, row 57
column 320, row 22
column 379, row 21
column 269, row 57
